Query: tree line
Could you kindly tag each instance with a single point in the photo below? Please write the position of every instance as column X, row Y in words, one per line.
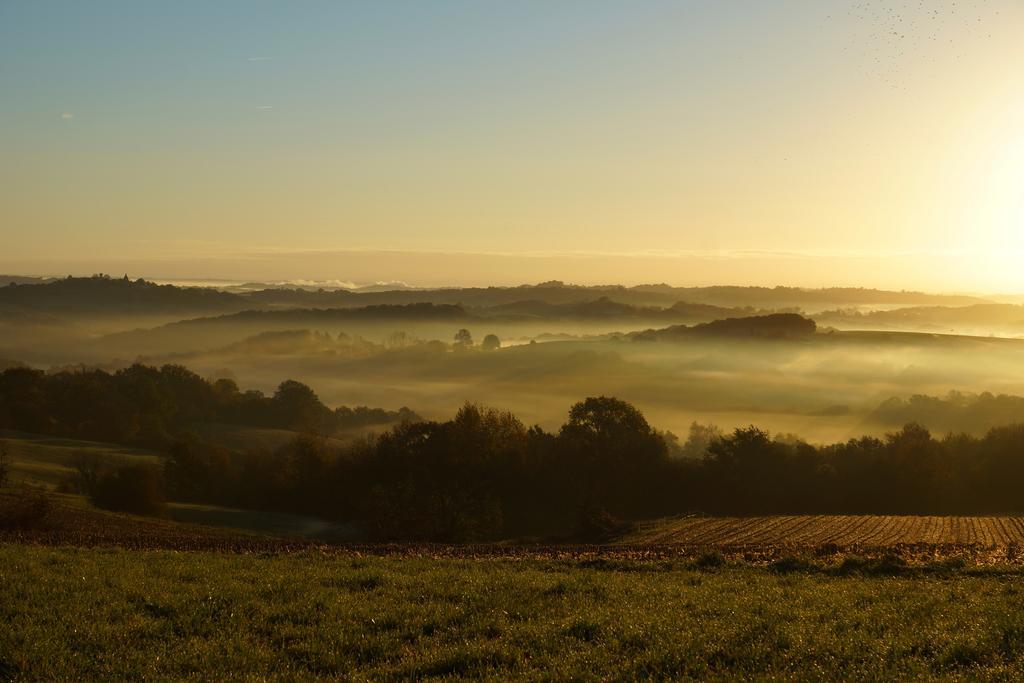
column 156, row 407
column 485, row 475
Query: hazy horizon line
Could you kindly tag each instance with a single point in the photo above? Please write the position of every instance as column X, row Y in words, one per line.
column 355, row 285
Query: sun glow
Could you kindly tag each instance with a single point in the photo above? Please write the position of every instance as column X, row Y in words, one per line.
column 988, row 221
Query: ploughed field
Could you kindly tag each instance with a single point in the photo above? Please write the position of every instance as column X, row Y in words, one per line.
column 839, row 530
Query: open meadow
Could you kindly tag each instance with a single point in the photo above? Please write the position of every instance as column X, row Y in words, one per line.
column 74, row 614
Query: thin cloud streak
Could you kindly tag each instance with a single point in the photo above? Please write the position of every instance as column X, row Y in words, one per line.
column 705, row 254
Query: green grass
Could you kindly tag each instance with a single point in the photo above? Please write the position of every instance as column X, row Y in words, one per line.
column 76, row 614
column 47, row 460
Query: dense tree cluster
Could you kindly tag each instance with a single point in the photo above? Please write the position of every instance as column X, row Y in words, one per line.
column 485, row 475
column 481, row 475
column 5, row 464
column 154, row 406
column 138, row 489
column 908, row 471
column 789, row 326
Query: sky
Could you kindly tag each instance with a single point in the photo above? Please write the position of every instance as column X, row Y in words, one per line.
column 809, row 143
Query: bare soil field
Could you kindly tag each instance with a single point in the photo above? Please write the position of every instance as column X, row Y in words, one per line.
column 841, row 530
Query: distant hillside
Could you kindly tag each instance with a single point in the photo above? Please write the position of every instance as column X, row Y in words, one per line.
column 224, row 329
column 557, row 293
column 283, row 341
column 936, row 318
column 605, row 308
column 957, row 412
column 114, row 296
column 418, row 311
column 215, row 331
column 787, row 297
column 774, row 326
column 23, row 280
column 469, row 297
column 102, row 294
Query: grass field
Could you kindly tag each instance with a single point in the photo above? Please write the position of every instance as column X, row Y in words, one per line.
column 73, row 614
column 89, row 595
column 71, row 521
column 47, row 460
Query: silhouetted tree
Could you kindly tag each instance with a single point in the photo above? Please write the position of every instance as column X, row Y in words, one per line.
column 398, row 340
column 88, row 469
column 463, row 339
column 297, row 407
column 490, row 343
column 612, row 448
column 748, row 470
column 699, row 439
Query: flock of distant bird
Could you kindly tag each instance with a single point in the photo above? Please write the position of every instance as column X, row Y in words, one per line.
column 892, row 32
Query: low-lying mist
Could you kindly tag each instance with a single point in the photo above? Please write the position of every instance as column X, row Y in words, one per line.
column 824, row 388
column 557, row 343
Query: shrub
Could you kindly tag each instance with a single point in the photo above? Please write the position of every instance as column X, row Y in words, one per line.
column 601, row 525
column 5, row 464
column 710, row 560
column 790, row 564
column 87, row 468
column 138, row 489
column 26, row 509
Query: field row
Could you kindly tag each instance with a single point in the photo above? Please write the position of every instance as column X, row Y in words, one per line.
column 842, row 530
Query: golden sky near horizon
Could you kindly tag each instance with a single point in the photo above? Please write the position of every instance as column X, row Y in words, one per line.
column 807, row 143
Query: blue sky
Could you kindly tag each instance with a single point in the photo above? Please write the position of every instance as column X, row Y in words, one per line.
column 162, row 133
